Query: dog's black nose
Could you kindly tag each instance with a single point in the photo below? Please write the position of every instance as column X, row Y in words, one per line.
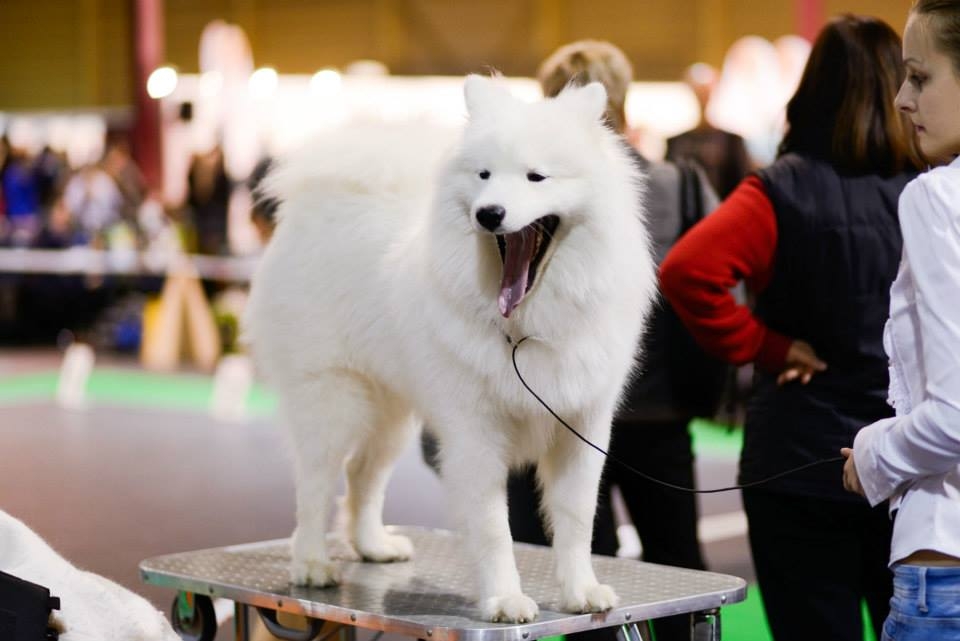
column 491, row 216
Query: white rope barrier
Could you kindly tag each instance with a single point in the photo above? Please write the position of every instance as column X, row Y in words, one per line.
column 96, row 262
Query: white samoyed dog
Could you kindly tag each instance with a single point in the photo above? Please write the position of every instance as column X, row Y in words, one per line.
column 373, row 310
column 92, row 608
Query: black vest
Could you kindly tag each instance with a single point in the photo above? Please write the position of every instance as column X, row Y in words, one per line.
column 838, row 250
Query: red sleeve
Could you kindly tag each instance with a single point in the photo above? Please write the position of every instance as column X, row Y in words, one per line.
column 736, row 242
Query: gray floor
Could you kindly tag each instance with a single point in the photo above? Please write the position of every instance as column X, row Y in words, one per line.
column 110, row 486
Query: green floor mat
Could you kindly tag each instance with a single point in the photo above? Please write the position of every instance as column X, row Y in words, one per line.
column 133, row 388
column 191, row 392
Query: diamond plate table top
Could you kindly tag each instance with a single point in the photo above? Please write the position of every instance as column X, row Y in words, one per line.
column 432, row 595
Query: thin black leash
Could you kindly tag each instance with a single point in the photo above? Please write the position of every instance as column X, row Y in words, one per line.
column 634, row 470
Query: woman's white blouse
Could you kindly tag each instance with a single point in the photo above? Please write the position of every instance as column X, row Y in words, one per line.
column 914, row 458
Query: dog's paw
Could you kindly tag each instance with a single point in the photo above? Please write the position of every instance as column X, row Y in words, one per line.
column 319, row 574
column 513, row 608
column 595, row 598
column 384, row 548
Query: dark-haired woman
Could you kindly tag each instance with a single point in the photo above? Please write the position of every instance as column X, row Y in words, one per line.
column 816, row 237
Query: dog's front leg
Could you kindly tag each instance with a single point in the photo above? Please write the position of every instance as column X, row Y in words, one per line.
column 570, row 473
column 476, row 475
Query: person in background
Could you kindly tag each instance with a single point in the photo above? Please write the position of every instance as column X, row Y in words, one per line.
column 119, row 164
column 51, row 303
column 815, row 237
column 21, row 194
column 58, row 230
column 4, row 158
column 208, row 197
column 51, row 170
column 722, row 154
column 913, row 458
column 651, row 430
column 95, row 203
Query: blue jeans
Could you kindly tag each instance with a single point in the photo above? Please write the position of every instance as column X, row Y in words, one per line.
column 925, row 604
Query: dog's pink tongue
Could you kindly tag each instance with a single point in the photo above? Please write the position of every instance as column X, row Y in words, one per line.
column 519, row 248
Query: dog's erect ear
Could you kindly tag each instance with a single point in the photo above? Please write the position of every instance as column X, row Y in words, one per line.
column 482, row 93
column 589, row 100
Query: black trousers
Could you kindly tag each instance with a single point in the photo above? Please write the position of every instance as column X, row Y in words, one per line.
column 815, row 560
column 666, row 520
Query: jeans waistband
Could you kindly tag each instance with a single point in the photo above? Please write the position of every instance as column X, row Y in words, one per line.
column 917, row 580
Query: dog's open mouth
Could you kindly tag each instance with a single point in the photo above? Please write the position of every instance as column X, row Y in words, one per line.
column 523, row 253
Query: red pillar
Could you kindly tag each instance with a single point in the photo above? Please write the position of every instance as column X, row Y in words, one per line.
column 148, row 48
column 809, row 18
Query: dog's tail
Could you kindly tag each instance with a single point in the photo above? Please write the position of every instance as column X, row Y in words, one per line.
column 379, row 160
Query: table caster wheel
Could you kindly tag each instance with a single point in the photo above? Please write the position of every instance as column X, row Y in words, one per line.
column 193, row 617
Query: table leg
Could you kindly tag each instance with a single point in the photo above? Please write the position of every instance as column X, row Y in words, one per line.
column 705, row 625
column 635, row 632
column 241, row 622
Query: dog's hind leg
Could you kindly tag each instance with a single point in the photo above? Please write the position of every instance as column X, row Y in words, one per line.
column 368, row 471
column 327, row 416
column 570, row 475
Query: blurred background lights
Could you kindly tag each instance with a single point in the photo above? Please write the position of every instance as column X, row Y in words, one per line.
column 702, row 73
column 263, row 82
column 162, row 82
column 325, row 83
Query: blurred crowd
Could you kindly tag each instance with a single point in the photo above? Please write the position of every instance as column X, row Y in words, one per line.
column 45, row 203
column 106, row 205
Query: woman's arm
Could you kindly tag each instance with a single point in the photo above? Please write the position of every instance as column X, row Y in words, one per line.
column 927, row 440
column 736, row 242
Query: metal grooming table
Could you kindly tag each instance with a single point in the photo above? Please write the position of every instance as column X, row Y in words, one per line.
column 429, row 597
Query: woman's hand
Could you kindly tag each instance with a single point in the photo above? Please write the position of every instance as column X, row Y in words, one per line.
column 802, row 363
column 851, row 480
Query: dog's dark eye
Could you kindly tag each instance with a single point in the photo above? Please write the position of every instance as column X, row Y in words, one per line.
column 484, row 174
column 534, row 177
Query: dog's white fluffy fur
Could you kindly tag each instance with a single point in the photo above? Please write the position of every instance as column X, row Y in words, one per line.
column 92, row 608
column 374, row 308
